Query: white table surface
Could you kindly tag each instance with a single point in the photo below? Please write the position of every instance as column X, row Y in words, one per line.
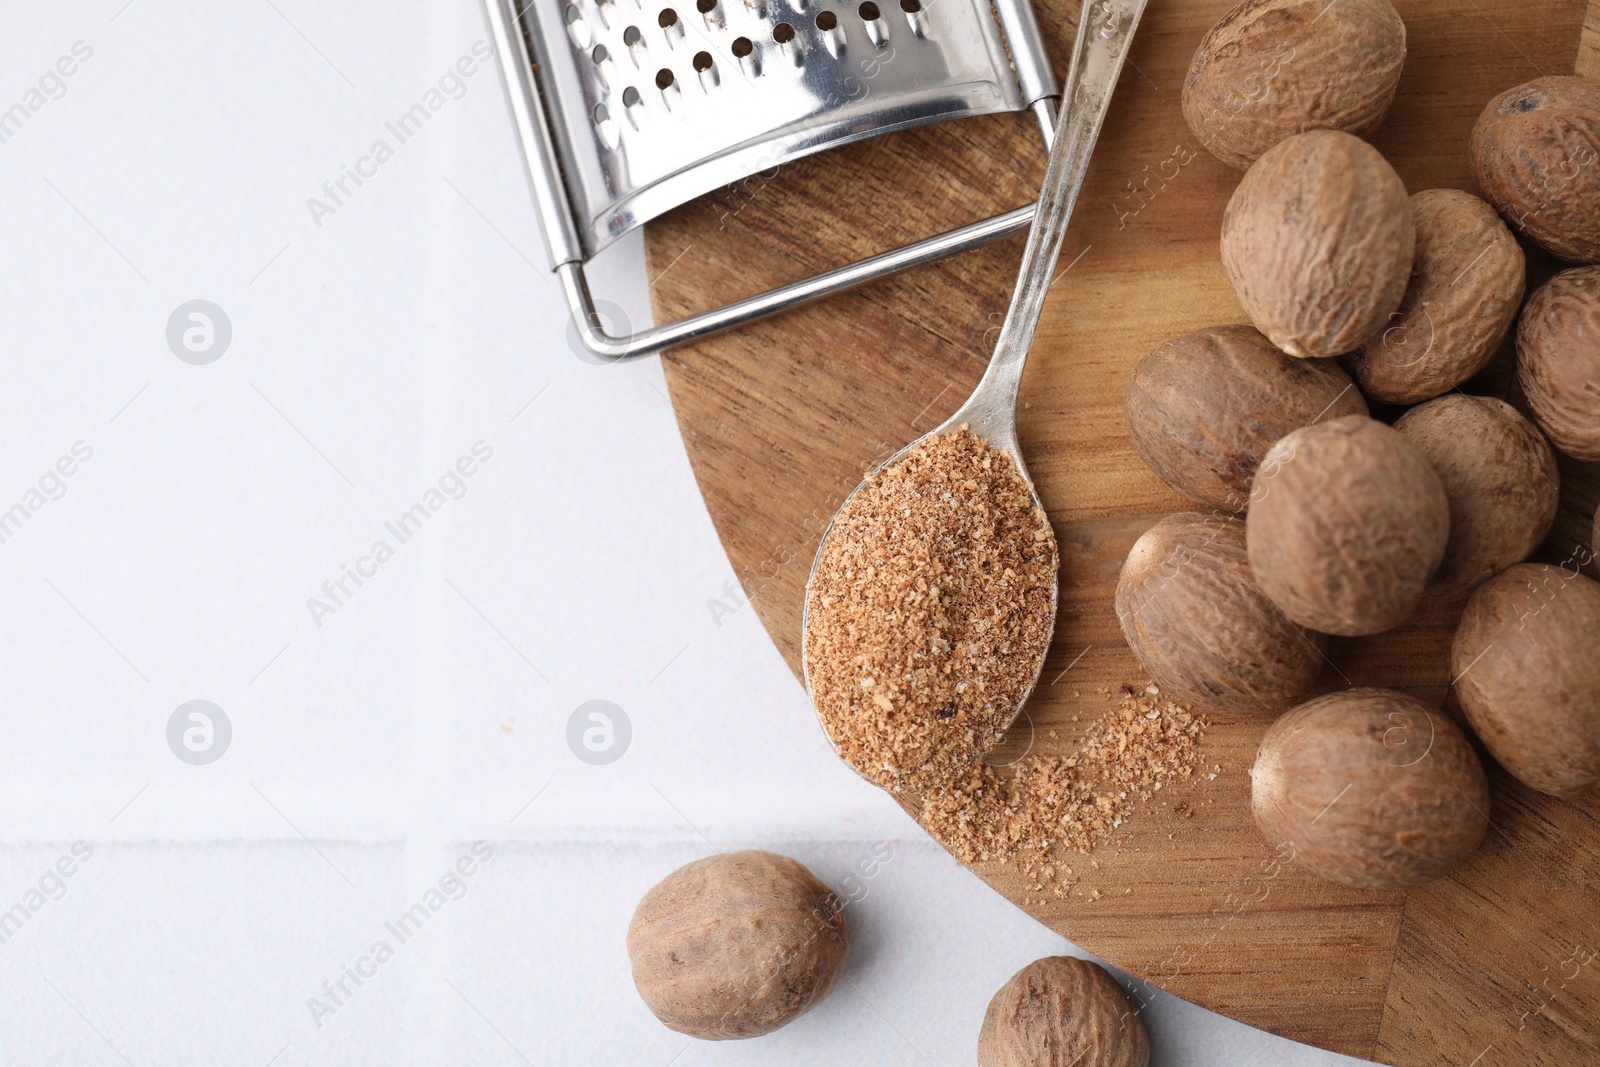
column 371, row 348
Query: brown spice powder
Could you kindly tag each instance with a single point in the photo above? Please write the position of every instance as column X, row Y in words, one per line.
column 929, row 612
column 1049, row 803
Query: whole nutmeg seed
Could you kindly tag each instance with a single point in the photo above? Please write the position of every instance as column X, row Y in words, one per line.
column 1370, row 788
column 1192, row 614
column 1347, row 523
column 1062, row 1012
column 1205, row 407
column 1318, row 241
column 1528, row 678
column 1467, row 282
column 1500, row 475
column 1274, row 68
column 736, row 945
column 1535, row 150
column 1558, row 360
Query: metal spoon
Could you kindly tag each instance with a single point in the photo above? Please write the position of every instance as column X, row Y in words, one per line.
column 1105, row 31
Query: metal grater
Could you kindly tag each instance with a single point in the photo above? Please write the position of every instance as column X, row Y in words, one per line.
column 627, row 109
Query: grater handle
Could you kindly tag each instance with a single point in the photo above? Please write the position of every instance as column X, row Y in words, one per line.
column 608, row 348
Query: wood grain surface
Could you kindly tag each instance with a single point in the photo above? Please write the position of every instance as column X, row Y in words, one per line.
column 1487, row 967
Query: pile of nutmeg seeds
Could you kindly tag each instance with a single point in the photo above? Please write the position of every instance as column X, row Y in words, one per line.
column 1325, row 520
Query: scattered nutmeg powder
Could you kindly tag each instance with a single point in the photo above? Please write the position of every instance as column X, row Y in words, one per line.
column 929, row 612
column 1050, row 803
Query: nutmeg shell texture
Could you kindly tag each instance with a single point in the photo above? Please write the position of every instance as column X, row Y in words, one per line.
column 1270, row 69
column 1558, row 360
column 1536, row 153
column 1318, row 241
column 1370, row 788
column 1204, row 408
column 1528, row 678
column 1062, row 1012
column 1500, row 476
column 1467, row 281
column 736, row 945
column 1193, row 615
column 1347, row 523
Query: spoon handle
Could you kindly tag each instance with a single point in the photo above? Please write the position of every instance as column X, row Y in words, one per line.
column 1105, row 29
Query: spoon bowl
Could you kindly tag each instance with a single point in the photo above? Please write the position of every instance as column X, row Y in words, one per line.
column 1105, row 30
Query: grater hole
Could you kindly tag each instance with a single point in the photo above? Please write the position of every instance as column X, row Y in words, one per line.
column 911, row 7
column 663, row 78
column 742, row 47
column 601, row 113
column 702, row 61
column 600, row 55
column 783, row 33
column 827, row 20
column 630, row 97
column 631, row 36
column 668, row 17
column 705, row 7
column 869, row 12
column 573, row 14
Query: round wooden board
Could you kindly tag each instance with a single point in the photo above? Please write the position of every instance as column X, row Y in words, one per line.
column 1489, row 966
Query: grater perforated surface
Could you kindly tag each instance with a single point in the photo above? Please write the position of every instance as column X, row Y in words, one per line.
column 653, row 103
